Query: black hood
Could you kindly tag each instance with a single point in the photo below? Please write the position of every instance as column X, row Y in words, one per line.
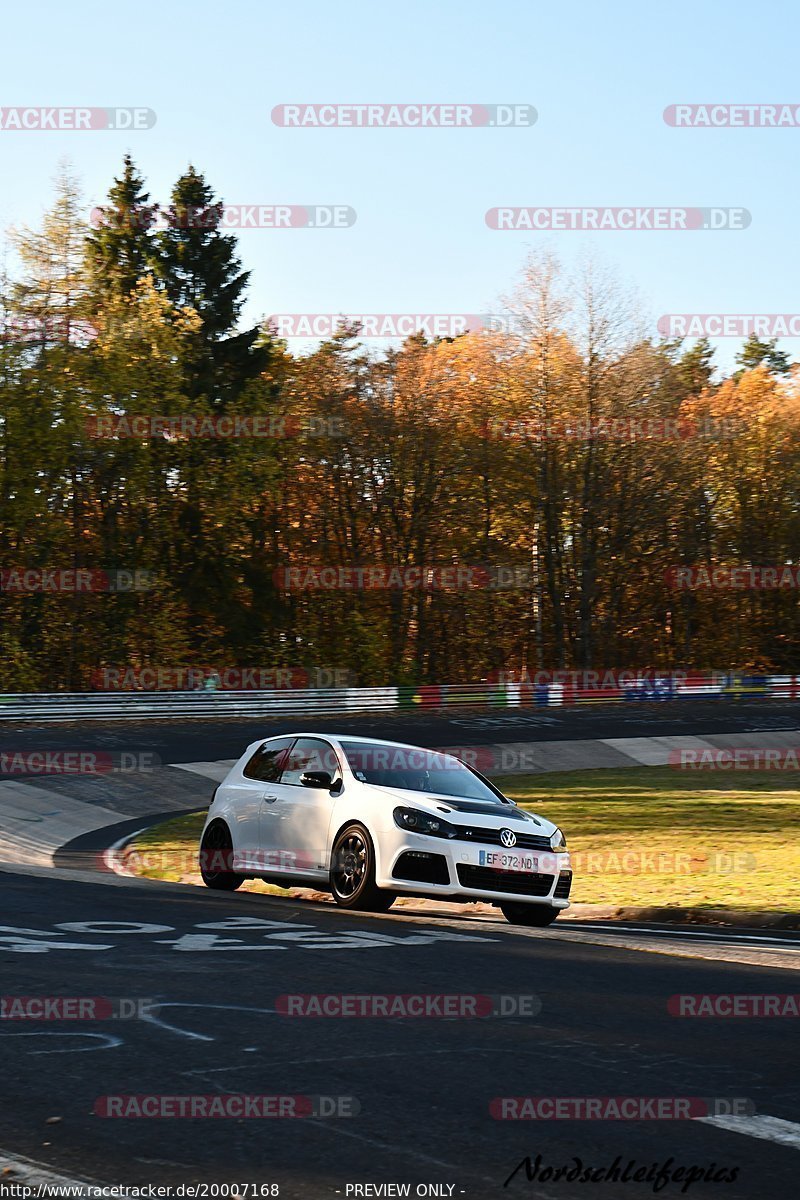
column 509, row 812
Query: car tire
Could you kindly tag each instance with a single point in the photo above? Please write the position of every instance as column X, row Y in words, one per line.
column 529, row 914
column 218, row 844
column 352, row 874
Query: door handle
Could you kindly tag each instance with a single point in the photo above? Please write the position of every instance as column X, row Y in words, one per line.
column 269, row 798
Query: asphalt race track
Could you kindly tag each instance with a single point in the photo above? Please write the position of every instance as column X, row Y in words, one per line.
column 405, row 1099
column 424, row 1085
column 185, row 741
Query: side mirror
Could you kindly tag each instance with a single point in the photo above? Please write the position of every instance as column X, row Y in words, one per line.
column 317, row 779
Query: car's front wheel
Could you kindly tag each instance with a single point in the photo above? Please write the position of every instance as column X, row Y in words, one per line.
column 353, row 872
column 216, row 859
column 529, row 914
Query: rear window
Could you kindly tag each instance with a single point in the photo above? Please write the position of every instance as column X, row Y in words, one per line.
column 269, row 760
column 309, row 754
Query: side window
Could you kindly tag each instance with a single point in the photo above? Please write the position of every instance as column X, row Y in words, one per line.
column 268, row 760
column 310, row 754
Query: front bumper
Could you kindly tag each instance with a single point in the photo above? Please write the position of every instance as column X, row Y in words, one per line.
column 458, row 870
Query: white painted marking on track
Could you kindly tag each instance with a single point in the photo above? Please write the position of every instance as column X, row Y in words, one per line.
column 723, row 938
column 16, row 944
column 109, row 1039
column 769, row 1129
column 199, row 1037
column 111, row 857
column 37, row 1175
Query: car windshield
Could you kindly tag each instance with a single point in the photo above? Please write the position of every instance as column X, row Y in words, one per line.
column 416, row 770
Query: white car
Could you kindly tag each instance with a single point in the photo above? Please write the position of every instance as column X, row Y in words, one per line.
column 371, row 820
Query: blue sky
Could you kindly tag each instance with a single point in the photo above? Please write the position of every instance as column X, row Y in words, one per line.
column 600, row 77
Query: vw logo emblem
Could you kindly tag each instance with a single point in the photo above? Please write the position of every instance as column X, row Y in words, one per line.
column 508, row 837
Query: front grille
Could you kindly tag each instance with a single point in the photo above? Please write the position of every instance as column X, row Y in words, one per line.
column 491, row 837
column 417, row 867
column 486, row 879
column 563, row 886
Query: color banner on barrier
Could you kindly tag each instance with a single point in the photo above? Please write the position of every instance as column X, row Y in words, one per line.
column 543, row 690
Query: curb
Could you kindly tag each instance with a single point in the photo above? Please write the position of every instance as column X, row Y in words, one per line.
column 733, row 917
column 750, row 918
column 665, row 915
column 746, row 918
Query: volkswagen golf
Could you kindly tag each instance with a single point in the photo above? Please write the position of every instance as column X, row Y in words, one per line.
column 371, row 820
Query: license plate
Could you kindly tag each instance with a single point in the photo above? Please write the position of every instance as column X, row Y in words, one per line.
column 500, row 861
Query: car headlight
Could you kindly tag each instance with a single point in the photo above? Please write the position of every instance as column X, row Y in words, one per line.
column 416, row 821
column 558, row 841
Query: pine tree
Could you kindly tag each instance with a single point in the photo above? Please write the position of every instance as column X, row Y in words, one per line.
column 198, row 267
column 695, row 367
column 122, row 250
column 754, row 352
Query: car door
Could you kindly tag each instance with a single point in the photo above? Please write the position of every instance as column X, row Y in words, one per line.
column 297, row 820
column 257, row 779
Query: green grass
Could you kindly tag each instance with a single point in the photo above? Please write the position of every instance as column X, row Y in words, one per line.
column 169, row 851
column 638, row 836
column 718, row 839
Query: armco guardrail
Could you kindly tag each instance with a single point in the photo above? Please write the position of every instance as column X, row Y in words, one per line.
column 164, row 706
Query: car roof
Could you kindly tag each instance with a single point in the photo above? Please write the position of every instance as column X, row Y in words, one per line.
column 356, row 737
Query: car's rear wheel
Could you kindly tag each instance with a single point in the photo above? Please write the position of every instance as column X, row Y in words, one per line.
column 216, row 859
column 353, row 873
column 529, row 914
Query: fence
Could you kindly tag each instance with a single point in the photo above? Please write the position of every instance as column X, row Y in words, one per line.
column 165, row 706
